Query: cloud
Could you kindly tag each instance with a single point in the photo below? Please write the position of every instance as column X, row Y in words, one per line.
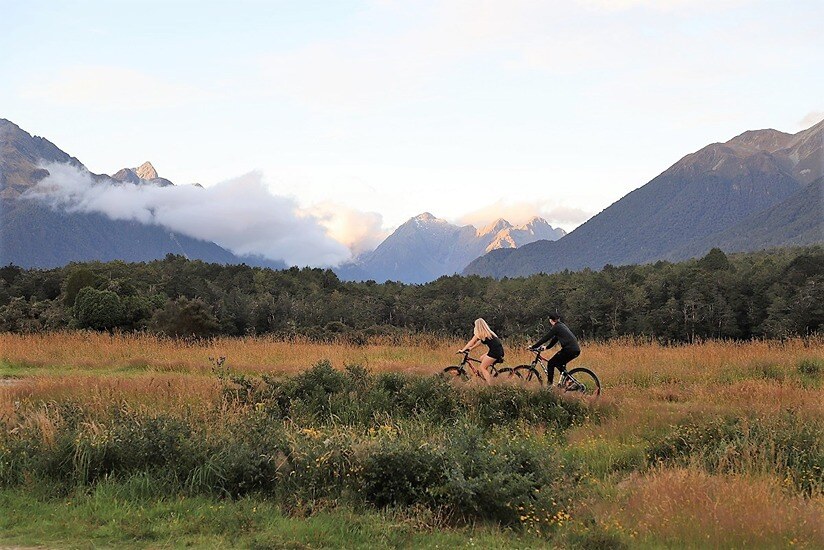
column 110, row 89
column 404, row 52
column 360, row 231
column 658, row 5
column 811, row 119
column 518, row 213
column 381, row 65
column 240, row 214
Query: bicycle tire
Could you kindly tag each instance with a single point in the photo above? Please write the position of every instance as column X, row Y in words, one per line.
column 456, row 372
column 505, row 373
column 529, row 376
column 590, row 382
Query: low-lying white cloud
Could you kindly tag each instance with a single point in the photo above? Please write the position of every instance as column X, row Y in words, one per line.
column 241, row 214
column 359, row 231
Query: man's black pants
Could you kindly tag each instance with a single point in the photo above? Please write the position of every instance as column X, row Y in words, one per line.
column 559, row 360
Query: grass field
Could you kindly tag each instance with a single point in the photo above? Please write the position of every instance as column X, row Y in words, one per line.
column 139, row 441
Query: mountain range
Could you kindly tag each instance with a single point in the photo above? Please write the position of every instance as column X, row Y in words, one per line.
column 760, row 189
column 425, row 248
column 33, row 234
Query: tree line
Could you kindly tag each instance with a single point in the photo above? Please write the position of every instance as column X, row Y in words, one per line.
column 775, row 294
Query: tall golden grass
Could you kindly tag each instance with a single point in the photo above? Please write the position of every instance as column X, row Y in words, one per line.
column 625, row 362
column 689, row 507
column 656, row 383
column 135, row 351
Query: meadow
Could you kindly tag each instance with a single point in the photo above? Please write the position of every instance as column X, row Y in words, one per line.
column 131, row 439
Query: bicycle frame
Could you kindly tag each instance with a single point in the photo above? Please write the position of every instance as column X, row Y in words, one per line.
column 467, row 360
column 563, row 379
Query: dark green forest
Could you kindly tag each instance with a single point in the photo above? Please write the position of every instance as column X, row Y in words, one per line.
column 773, row 294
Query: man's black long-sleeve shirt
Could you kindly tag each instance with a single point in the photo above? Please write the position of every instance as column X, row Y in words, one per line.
column 560, row 333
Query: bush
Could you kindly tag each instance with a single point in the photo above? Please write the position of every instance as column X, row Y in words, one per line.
column 810, row 367
column 244, row 458
column 402, row 473
column 507, row 480
column 186, row 318
column 769, row 371
column 323, row 395
column 98, row 309
column 464, row 470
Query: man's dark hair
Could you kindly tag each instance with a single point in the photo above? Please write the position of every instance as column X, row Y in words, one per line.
column 554, row 316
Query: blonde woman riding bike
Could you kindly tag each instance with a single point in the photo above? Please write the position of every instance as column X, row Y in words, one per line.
column 482, row 334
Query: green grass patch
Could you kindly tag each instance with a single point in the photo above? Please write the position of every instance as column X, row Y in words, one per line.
column 112, row 514
column 602, row 457
column 18, row 369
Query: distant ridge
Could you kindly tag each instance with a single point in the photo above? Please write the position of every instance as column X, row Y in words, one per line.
column 689, row 208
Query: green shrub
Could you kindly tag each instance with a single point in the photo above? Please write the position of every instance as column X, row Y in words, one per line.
column 186, row 318
column 503, row 480
column 810, row 367
column 431, row 396
column 244, row 458
column 98, row 309
column 769, row 371
column 354, row 397
column 316, row 466
column 402, row 473
column 465, row 470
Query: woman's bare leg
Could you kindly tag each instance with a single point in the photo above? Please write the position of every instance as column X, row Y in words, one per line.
column 486, row 362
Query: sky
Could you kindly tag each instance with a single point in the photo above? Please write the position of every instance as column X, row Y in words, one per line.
column 357, row 115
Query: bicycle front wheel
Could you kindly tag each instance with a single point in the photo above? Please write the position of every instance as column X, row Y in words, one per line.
column 528, row 376
column 584, row 382
column 456, row 372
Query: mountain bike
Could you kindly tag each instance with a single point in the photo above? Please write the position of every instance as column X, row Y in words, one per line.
column 460, row 371
column 580, row 380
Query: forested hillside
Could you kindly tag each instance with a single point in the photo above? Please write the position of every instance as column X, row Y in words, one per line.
column 765, row 294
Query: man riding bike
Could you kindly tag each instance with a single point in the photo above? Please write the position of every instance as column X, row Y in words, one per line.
column 558, row 333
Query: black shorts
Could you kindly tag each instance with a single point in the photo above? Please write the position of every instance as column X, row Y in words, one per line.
column 563, row 357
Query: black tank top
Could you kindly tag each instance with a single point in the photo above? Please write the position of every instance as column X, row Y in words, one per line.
column 496, row 348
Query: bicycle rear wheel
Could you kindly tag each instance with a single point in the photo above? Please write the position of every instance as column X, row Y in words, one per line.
column 505, row 373
column 456, row 372
column 528, row 376
column 587, row 382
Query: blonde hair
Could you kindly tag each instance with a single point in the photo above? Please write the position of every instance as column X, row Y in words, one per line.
column 482, row 330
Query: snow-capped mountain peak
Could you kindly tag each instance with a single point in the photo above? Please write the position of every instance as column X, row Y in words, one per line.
column 426, row 247
column 495, row 227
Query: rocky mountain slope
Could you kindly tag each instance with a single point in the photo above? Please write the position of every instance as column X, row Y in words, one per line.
column 694, row 201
